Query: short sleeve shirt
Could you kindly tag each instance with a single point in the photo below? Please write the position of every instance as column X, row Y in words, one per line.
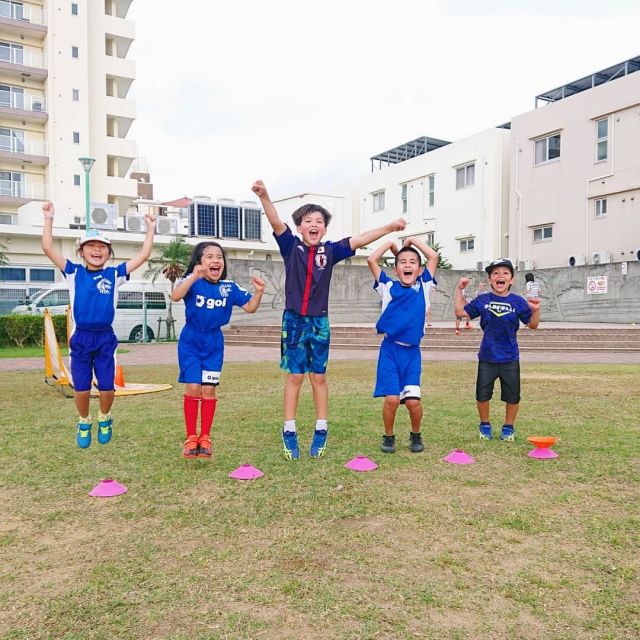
column 208, row 305
column 308, row 272
column 92, row 294
column 403, row 308
column 500, row 318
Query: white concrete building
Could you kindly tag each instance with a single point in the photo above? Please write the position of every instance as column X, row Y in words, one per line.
column 575, row 173
column 453, row 194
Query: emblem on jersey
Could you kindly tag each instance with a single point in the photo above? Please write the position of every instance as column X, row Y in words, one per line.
column 499, row 309
column 225, row 290
column 103, row 285
column 320, row 249
column 321, row 260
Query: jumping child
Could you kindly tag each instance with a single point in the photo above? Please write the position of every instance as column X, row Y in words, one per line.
column 500, row 314
column 405, row 303
column 92, row 292
column 305, row 324
column 209, row 299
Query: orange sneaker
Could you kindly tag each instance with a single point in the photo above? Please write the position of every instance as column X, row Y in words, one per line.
column 204, row 447
column 190, row 447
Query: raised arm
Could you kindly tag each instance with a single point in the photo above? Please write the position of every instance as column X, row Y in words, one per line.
column 182, row 288
column 254, row 303
column 276, row 223
column 57, row 258
column 458, row 299
column 430, row 254
column 374, row 258
column 534, row 305
column 372, row 235
column 147, row 245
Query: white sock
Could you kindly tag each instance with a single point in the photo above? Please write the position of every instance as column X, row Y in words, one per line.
column 321, row 425
column 290, row 426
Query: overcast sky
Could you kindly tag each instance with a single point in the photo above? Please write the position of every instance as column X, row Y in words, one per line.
column 302, row 94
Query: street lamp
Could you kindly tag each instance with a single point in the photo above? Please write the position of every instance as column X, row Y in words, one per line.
column 87, row 163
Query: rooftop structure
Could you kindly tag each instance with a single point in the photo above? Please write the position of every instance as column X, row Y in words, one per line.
column 406, row 151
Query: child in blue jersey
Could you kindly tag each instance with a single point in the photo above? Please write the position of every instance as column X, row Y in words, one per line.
column 92, row 292
column 405, row 303
column 500, row 314
column 209, row 299
column 305, row 323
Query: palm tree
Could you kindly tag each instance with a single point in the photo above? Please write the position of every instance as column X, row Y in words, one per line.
column 172, row 263
column 3, row 254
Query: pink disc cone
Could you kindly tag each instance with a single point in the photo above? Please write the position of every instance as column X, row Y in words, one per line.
column 246, row 472
column 458, row 456
column 361, row 463
column 107, row 489
column 542, row 454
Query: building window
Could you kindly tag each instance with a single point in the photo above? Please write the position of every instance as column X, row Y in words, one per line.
column 378, row 200
column 547, row 149
column 12, row 184
column 74, row 8
column 13, row 274
column 431, row 181
column 467, row 245
column 74, row 52
column 42, row 275
column 466, row 176
column 12, row 140
column 10, row 52
column 601, row 208
column 76, row 137
column 543, row 234
column 76, row 179
column 11, row 96
column 404, row 196
column 13, row 10
column 602, row 139
column 430, row 238
column 75, row 95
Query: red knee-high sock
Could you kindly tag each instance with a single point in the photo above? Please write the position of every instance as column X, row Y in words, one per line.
column 207, row 412
column 191, row 414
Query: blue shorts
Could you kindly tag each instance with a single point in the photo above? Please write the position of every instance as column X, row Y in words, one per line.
column 305, row 343
column 200, row 355
column 93, row 352
column 399, row 370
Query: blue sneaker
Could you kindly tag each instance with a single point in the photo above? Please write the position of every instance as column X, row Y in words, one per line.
column 290, row 443
column 319, row 443
column 83, row 435
column 105, row 430
column 508, row 433
column 485, row 432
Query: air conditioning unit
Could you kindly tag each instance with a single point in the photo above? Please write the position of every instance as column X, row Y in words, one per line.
column 636, row 253
column 104, row 216
column 526, row 265
column 577, row 260
column 167, row 226
column 135, row 224
column 600, row 257
column 36, row 106
column 481, row 266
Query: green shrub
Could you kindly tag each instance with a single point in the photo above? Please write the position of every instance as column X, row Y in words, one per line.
column 23, row 330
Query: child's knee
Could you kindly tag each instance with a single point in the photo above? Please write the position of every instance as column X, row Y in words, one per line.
column 318, row 379
column 295, row 379
column 392, row 402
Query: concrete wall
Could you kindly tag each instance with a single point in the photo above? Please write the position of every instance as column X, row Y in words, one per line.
column 563, row 290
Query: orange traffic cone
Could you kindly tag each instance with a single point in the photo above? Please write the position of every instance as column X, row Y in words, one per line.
column 119, row 376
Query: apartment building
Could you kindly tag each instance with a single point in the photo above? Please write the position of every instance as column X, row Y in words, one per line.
column 64, row 81
column 575, row 173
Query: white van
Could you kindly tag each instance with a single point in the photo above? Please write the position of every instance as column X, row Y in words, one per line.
column 136, row 301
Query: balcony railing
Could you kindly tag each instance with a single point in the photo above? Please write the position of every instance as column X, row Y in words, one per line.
column 11, row 144
column 26, row 101
column 26, row 190
column 21, row 12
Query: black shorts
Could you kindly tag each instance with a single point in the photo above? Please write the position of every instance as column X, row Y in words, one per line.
column 509, row 374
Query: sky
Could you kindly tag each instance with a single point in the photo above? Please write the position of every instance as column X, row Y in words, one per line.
column 302, row 94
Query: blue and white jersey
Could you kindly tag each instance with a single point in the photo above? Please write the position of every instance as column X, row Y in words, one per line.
column 93, row 294
column 500, row 318
column 403, row 308
column 208, row 305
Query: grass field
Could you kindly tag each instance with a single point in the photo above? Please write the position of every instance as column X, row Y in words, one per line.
column 509, row 547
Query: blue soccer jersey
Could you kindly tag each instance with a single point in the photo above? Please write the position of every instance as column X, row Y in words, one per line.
column 500, row 318
column 308, row 272
column 404, row 309
column 92, row 294
column 208, row 305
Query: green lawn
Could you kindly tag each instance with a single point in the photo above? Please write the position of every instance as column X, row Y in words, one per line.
column 509, row 547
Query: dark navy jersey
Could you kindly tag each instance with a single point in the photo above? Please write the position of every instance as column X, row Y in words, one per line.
column 308, row 272
column 208, row 305
column 92, row 294
column 500, row 318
